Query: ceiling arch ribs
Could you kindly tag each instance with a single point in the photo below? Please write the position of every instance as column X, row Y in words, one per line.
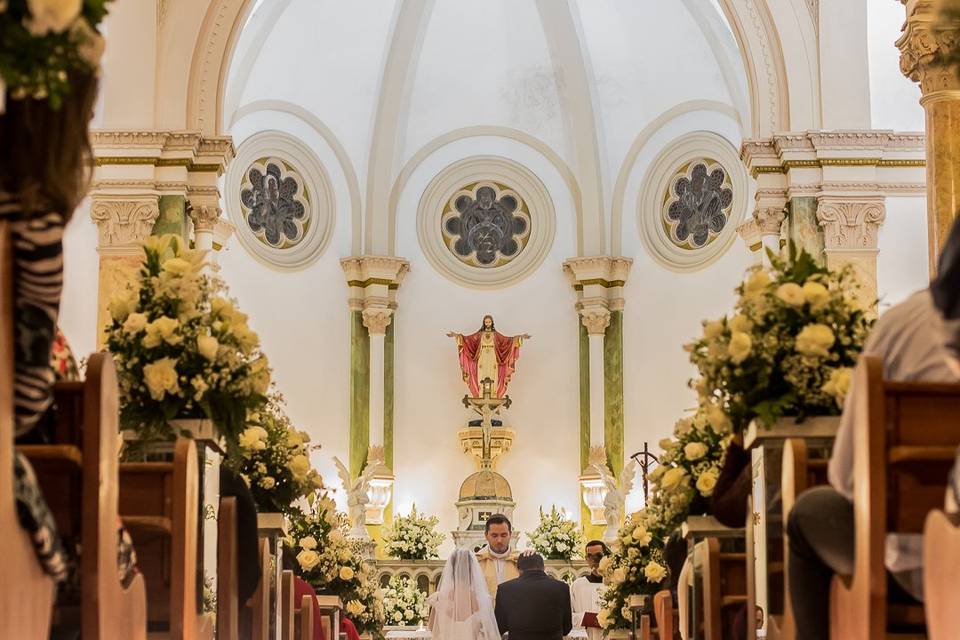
column 407, row 35
column 794, row 26
column 577, row 97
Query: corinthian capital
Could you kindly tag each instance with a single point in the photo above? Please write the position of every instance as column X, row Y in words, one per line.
column 769, row 220
column 596, row 320
column 205, row 216
column 124, row 221
column 926, row 38
column 377, row 319
column 850, row 223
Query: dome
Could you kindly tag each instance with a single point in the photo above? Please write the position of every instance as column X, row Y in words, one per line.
column 485, row 485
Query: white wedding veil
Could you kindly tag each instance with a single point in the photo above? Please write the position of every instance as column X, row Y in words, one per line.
column 463, row 601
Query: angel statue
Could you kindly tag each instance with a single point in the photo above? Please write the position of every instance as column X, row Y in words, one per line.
column 614, row 501
column 357, row 497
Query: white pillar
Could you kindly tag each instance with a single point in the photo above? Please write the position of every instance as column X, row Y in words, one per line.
column 596, row 320
column 769, row 220
column 376, row 319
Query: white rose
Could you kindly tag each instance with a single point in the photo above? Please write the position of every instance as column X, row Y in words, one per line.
column 208, row 346
column 308, row 559
column 619, row 575
column 51, row 15
column 739, row 347
column 654, row 572
column 267, row 482
column 756, row 283
column 253, row 438
column 791, row 293
column 641, row 536
column 815, row 340
column 815, row 294
column 838, row 384
column 706, row 482
column 603, row 619
column 162, row 330
column 300, row 466
column 308, row 542
column 672, row 478
column 121, row 305
column 695, row 451
column 741, row 323
column 161, row 378
column 346, row 573
column 667, row 444
column 135, row 323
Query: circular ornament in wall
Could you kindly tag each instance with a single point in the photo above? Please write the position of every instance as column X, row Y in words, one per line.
column 691, row 201
column 280, row 201
column 486, row 222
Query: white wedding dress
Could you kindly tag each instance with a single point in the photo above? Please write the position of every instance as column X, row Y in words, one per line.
column 462, row 608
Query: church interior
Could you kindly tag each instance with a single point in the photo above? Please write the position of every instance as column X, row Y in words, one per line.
column 300, row 298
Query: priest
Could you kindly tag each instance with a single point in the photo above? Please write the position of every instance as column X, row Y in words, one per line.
column 496, row 559
column 586, row 591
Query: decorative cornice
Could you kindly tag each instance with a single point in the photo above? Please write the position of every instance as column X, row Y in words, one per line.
column 124, row 221
column 364, row 271
column 607, row 271
column 850, row 223
column 922, row 46
column 162, row 149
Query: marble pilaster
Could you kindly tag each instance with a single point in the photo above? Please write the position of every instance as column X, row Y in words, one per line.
column 925, row 39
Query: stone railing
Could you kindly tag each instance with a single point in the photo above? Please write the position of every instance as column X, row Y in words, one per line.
column 426, row 573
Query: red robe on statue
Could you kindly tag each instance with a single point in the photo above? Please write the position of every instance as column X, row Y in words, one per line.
column 507, row 350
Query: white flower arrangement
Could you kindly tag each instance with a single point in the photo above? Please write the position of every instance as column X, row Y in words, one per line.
column 275, row 459
column 789, row 347
column 556, row 537
column 412, row 537
column 404, row 603
column 333, row 563
column 182, row 349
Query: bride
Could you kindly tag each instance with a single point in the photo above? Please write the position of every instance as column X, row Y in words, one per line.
column 462, row 609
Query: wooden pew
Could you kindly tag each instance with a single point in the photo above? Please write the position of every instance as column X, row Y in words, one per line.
column 304, row 619
column 287, row 607
column 799, row 473
column 724, row 586
column 79, row 477
column 255, row 614
column 228, row 604
column 941, row 557
column 159, row 505
column 26, row 592
column 904, row 441
column 664, row 613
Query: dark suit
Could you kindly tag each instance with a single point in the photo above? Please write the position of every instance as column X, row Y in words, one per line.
column 534, row 607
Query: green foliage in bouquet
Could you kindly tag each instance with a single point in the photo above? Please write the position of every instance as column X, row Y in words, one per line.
column 333, row 563
column 404, row 604
column 556, row 536
column 790, row 346
column 412, row 537
column 274, row 459
column 182, row 348
column 637, row 565
column 43, row 41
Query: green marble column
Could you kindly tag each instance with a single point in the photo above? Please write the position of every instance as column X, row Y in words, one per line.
column 359, row 393
column 388, row 369
column 613, row 392
column 173, row 216
column 802, row 227
column 584, row 397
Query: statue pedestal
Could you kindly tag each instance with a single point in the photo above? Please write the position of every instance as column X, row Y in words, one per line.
column 501, row 440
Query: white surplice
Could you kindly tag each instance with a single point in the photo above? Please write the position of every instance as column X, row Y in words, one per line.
column 585, row 598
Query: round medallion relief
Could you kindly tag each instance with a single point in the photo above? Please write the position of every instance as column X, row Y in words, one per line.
column 280, row 200
column 486, row 222
column 692, row 198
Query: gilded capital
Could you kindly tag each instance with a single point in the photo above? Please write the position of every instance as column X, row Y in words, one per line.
column 124, row 221
column 924, row 43
column 205, row 216
column 769, row 220
column 849, row 223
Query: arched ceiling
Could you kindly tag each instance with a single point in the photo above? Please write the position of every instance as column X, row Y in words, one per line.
column 581, row 77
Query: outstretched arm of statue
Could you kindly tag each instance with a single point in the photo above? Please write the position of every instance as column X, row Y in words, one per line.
column 457, row 336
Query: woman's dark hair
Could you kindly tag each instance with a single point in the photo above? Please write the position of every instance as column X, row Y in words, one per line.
column 45, row 153
column 483, row 323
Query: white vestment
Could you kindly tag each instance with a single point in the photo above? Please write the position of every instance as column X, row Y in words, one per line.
column 585, row 598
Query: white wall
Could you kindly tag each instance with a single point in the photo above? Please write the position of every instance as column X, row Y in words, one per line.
column 902, row 266
column 81, row 266
column 894, row 100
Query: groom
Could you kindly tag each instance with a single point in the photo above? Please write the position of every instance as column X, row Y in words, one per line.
column 534, row 606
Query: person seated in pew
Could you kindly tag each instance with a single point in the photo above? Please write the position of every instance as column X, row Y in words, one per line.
column 248, row 571
column 917, row 340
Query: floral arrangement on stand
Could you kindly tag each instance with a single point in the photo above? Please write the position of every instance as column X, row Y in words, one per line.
column 333, row 563
column 556, row 537
column 404, row 603
column 790, row 346
column 182, row 348
column 274, row 459
column 637, row 565
column 412, row 537
column 44, row 41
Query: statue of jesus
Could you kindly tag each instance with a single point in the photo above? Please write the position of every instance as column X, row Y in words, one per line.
column 488, row 354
